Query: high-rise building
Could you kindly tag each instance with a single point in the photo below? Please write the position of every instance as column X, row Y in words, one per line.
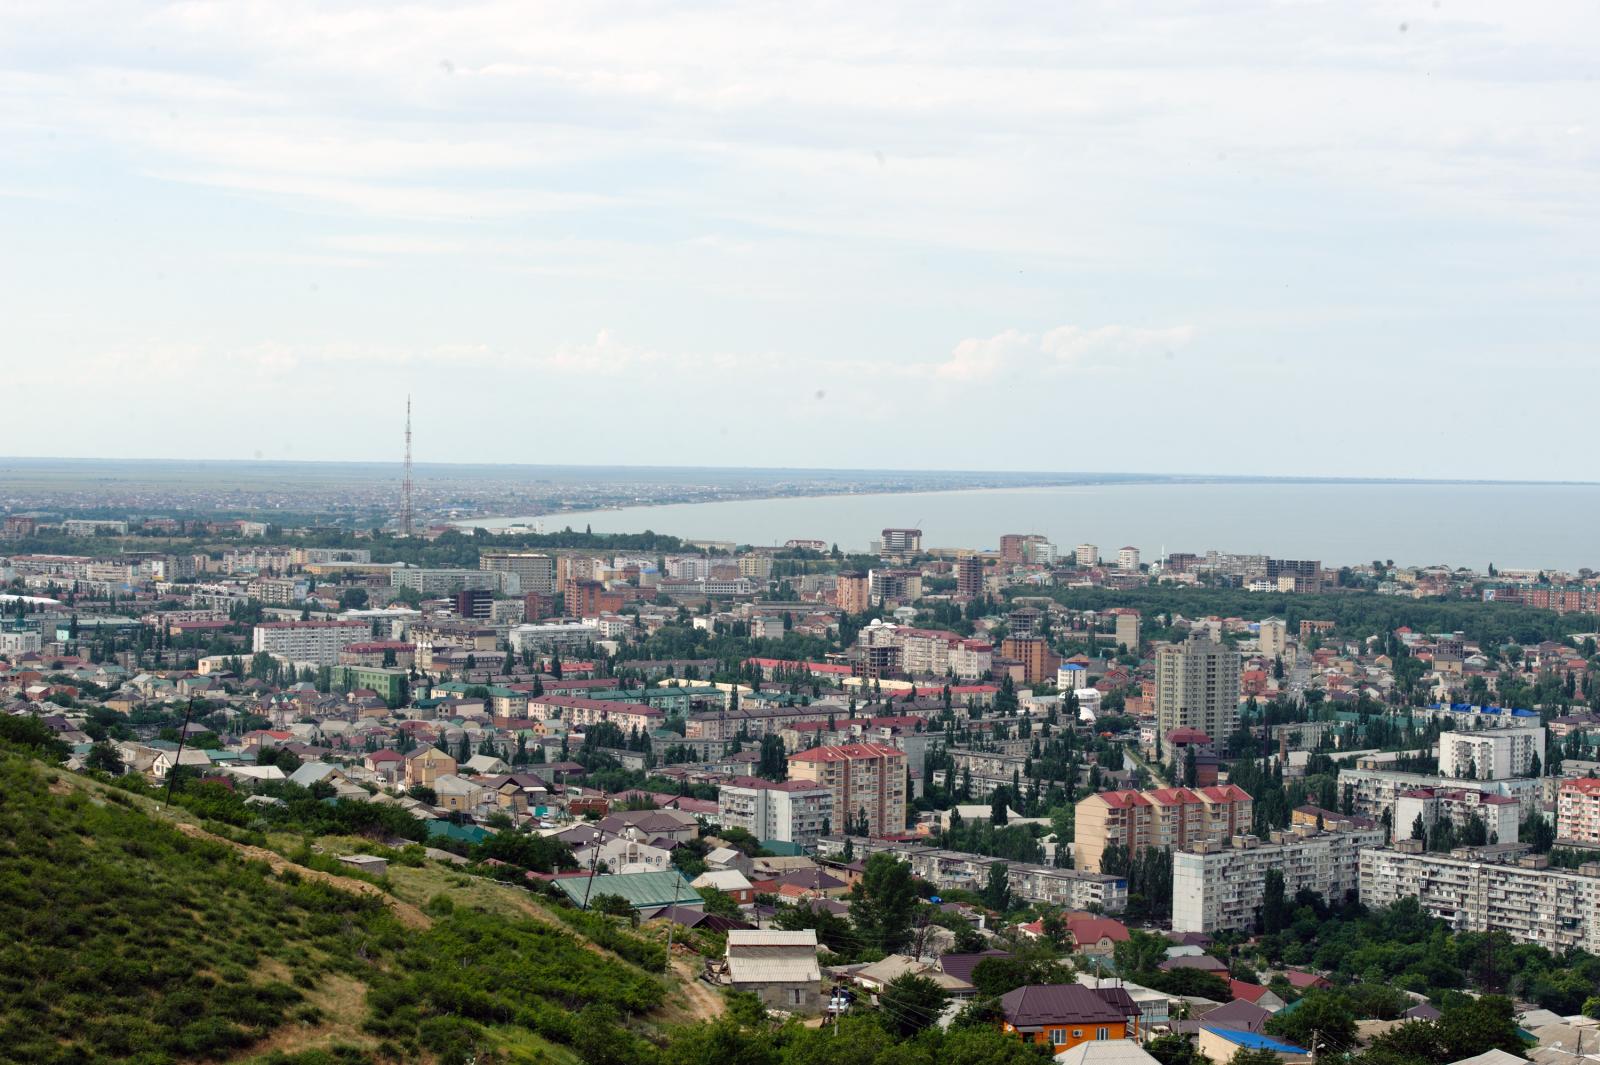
column 1027, row 547
column 1086, row 555
column 853, row 593
column 474, row 603
column 1128, row 558
column 1274, row 638
column 969, row 577
column 537, row 572
column 901, row 541
column 1197, row 686
column 1127, row 633
column 866, row 780
column 1038, row 661
column 1578, row 811
column 588, row 599
column 1165, row 818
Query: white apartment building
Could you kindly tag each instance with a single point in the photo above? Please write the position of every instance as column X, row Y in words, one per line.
column 1491, row 754
column 309, row 641
column 1501, row 815
column 1128, row 558
column 688, row 568
column 554, row 636
column 535, row 572
column 1085, row 555
column 1475, row 890
column 931, row 652
column 1217, row 886
column 1373, row 792
column 438, row 582
column 794, row 811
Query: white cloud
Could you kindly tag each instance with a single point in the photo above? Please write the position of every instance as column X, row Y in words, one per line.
column 1060, row 350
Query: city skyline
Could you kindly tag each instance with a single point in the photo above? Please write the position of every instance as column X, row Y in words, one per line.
column 1106, row 237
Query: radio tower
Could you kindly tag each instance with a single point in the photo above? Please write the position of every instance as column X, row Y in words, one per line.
column 405, row 485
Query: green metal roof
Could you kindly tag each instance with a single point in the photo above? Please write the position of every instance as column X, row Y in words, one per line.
column 642, row 890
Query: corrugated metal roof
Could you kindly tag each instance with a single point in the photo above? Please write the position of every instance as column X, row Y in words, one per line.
column 642, row 890
column 774, row 969
column 772, row 937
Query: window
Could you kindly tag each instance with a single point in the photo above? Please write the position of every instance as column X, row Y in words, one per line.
column 1102, row 1033
column 795, row 996
column 1058, row 1036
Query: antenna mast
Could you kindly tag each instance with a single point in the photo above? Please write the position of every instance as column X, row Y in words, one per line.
column 405, row 487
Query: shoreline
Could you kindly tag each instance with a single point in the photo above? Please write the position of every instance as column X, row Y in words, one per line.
column 1155, row 481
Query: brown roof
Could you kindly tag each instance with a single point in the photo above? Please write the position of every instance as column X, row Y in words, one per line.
column 1042, row 1004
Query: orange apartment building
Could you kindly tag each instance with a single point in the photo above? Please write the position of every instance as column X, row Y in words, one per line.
column 1164, row 817
column 853, row 593
column 1578, row 810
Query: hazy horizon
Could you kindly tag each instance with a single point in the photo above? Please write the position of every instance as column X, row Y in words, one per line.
column 1348, row 240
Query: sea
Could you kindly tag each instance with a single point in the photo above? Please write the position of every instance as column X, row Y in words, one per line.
column 1544, row 526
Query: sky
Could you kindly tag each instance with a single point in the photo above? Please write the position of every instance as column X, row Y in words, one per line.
column 1348, row 238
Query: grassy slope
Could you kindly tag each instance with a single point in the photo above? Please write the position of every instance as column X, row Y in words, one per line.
column 128, row 941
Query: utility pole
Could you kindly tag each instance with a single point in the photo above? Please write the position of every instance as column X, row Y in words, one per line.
column 178, row 758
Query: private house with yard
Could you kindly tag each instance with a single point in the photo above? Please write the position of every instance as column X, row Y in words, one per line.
column 1063, row 1015
column 1221, row 1044
column 780, row 967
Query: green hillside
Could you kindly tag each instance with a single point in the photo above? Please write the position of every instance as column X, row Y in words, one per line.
column 125, row 940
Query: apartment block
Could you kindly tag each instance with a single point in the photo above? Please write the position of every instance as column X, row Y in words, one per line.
column 1164, row 817
column 793, row 811
column 1578, row 811
column 1490, row 890
column 309, row 641
column 1501, row 815
column 1218, row 887
column 1128, row 629
column 1491, row 754
column 1374, row 792
column 1273, row 641
column 435, row 583
column 865, row 778
column 1085, row 555
column 1197, row 686
column 536, row 572
column 852, row 594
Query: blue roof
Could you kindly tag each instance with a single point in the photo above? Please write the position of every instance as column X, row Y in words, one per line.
column 1253, row 1040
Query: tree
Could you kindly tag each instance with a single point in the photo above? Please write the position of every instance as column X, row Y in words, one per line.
column 910, row 1003
column 997, row 892
column 1275, row 912
column 881, row 903
column 104, row 757
column 719, row 903
column 1141, row 952
column 1323, row 1018
column 774, row 763
column 997, row 806
column 613, row 905
column 1191, row 767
